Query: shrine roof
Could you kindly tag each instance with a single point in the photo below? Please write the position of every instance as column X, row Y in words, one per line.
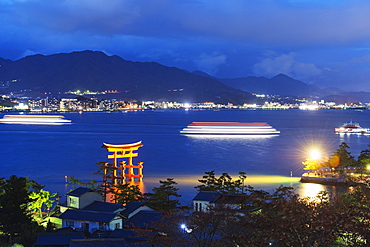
column 120, row 146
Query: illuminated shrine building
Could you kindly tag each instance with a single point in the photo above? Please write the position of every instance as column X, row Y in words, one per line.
column 123, row 168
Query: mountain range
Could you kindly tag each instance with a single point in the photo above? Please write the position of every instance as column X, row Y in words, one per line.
column 95, row 71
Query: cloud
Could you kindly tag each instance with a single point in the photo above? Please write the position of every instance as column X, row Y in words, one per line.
column 185, row 33
column 286, row 64
column 210, row 63
column 267, row 21
column 29, row 53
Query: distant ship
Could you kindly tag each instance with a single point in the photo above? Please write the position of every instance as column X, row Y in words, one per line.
column 34, row 119
column 229, row 128
column 351, row 128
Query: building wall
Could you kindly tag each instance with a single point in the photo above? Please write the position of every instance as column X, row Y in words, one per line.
column 116, row 223
column 73, row 201
column 88, row 198
column 78, row 224
column 200, row 206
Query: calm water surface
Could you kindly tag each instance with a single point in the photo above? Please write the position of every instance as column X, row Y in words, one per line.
column 47, row 153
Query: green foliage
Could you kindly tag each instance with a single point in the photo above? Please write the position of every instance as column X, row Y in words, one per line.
column 284, row 219
column 74, row 182
column 105, row 170
column 164, row 197
column 311, row 164
column 16, row 221
column 126, row 193
column 224, row 184
column 345, row 157
column 41, row 203
column 363, row 159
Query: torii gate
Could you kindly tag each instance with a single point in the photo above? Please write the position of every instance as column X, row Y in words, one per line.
column 127, row 170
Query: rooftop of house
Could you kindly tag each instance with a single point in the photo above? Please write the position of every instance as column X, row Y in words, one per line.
column 117, row 242
column 131, row 207
column 94, row 216
column 79, row 191
column 127, row 234
column 98, row 206
column 143, row 219
column 208, row 196
column 217, row 197
column 57, row 238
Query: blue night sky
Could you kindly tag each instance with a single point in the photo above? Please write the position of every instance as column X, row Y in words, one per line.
column 323, row 42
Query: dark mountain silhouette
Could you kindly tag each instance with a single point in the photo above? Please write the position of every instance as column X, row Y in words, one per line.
column 286, row 86
column 4, row 61
column 349, row 97
column 201, row 73
column 278, row 85
column 95, row 71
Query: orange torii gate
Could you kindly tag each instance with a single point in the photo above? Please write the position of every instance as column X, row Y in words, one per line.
column 127, row 170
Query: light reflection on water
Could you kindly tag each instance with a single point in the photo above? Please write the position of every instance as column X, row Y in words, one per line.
column 310, row 189
column 186, row 184
column 48, row 153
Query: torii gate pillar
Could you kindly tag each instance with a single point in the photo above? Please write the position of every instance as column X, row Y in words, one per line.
column 127, row 169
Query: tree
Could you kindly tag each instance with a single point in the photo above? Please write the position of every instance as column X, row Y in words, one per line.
column 224, row 184
column 363, row 159
column 74, row 182
column 16, row 221
column 164, row 197
column 310, row 164
column 41, row 203
column 126, row 193
column 106, row 171
column 345, row 157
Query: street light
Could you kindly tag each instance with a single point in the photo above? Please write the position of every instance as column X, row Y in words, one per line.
column 315, row 154
column 185, row 229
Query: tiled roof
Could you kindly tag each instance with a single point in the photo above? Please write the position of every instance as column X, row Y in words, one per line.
column 143, row 219
column 232, row 199
column 208, row 196
column 216, row 197
column 131, row 207
column 117, row 233
column 99, row 243
column 57, row 238
column 79, row 191
column 88, row 215
column 103, row 207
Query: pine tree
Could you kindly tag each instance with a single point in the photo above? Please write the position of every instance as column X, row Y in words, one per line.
column 345, row 157
column 363, row 159
column 164, row 197
column 127, row 193
column 15, row 216
column 224, row 184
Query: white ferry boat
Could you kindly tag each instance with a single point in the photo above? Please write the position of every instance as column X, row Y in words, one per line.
column 34, row 119
column 352, row 128
column 229, row 128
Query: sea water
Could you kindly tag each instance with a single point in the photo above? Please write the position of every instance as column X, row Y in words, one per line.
column 49, row 153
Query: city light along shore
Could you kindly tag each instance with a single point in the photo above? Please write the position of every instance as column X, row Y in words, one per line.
column 229, row 128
